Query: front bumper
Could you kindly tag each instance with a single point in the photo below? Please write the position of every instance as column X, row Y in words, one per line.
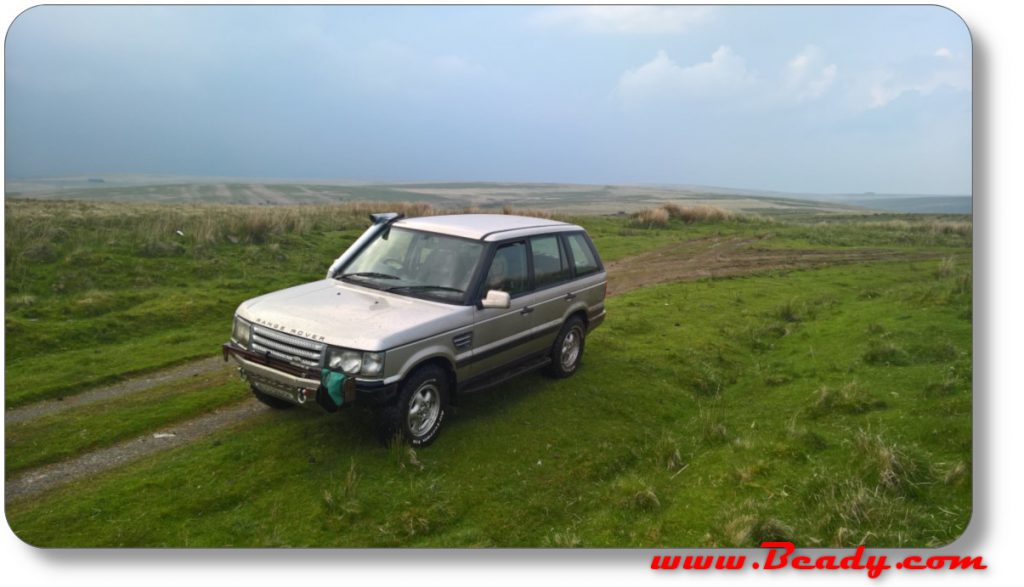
column 299, row 385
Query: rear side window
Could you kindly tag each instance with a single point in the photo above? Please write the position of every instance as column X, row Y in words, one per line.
column 550, row 263
column 582, row 255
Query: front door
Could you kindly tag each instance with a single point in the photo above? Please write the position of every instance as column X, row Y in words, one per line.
column 504, row 336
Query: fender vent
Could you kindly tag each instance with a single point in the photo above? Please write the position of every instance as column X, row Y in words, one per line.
column 463, row 341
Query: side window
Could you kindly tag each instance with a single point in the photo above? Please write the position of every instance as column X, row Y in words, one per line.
column 508, row 269
column 582, row 255
column 550, row 264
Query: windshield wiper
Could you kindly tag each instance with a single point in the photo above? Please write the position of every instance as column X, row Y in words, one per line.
column 424, row 287
column 371, row 274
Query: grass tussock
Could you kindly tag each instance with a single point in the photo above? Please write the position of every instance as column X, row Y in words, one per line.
column 946, row 267
column 650, row 218
column 666, row 452
column 891, row 467
column 660, row 217
column 947, row 386
column 704, row 213
column 340, row 502
column 849, row 511
column 636, row 494
column 564, row 539
column 885, row 352
column 794, row 310
column 750, row 530
column 852, row 398
column 711, row 416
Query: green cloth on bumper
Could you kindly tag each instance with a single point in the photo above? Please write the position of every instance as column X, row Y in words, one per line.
column 331, row 394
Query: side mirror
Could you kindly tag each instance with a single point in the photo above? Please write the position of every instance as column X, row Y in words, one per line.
column 496, row 299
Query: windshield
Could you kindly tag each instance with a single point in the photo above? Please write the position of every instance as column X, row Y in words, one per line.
column 420, row 264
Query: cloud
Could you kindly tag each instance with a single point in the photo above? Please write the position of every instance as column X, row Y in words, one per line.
column 807, row 77
column 943, row 52
column 661, row 78
column 921, row 75
column 623, row 20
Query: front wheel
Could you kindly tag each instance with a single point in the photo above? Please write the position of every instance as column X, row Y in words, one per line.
column 418, row 412
column 567, row 352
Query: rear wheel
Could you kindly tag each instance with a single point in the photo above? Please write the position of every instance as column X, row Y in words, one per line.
column 567, row 352
column 418, row 412
column 269, row 400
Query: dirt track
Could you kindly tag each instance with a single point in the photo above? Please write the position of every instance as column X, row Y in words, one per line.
column 91, row 463
column 689, row 261
column 720, row 257
column 121, row 389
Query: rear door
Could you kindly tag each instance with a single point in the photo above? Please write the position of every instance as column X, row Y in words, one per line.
column 552, row 283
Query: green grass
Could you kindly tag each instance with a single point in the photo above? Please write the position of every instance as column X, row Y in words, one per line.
column 112, row 290
column 698, row 419
column 65, row 434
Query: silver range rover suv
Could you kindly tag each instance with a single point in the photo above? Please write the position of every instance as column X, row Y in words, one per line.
column 420, row 310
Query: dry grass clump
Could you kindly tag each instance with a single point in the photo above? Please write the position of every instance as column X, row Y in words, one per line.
column 649, row 218
column 532, row 212
column 33, row 227
column 934, row 227
column 852, row 398
column 894, row 469
column 702, row 213
column 946, row 267
column 660, row 217
column 42, row 231
column 752, row 530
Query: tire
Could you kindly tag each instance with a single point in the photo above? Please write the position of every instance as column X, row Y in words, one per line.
column 418, row 412
column 567, row 352
column 269, row 400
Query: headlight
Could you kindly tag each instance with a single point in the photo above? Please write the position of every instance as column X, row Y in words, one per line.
column 373, row 363
column 241, row 331
column 355, row 362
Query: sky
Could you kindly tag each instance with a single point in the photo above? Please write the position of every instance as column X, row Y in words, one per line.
column 811, row 99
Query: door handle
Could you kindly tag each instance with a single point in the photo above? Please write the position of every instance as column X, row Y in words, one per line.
column 526, row 310
column 570, row 297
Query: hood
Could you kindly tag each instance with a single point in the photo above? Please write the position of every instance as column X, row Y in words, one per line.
column 350, row 316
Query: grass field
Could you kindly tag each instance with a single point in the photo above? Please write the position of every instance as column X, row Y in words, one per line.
column 828, row 406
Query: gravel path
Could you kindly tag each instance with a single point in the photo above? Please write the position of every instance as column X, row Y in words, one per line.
column 135, row 385
column 89, row 464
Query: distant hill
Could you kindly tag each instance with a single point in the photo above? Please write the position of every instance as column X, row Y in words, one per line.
column 569, row 198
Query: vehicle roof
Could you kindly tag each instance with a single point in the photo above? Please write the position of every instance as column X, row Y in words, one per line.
column 488, row 227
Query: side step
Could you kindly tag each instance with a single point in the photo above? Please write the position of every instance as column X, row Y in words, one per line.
column 476, row 385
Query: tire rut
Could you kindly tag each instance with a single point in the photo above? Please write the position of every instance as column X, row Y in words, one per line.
column 121, row 389
column 48, row 477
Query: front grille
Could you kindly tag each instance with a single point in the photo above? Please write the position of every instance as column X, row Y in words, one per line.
column 287, row 348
